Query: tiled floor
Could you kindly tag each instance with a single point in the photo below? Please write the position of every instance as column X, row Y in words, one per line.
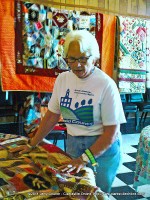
column 122, row 188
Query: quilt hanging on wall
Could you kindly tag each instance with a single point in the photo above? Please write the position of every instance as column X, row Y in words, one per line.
column 30, row 78
column 132, row 55
column 40, row 35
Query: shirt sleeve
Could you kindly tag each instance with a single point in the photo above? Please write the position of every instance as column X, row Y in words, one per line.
column 111, row 107
column 53, row 104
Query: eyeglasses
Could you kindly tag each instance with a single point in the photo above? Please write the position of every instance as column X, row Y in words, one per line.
column 80, row 60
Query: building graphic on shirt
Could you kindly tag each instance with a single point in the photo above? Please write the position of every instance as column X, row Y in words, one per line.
column 81, row 112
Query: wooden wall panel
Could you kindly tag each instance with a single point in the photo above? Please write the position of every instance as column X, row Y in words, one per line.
column 106, row 5
column 83, row 2
column 129, row 9
column 137, row 8
column 134, row 7
column 142, row 7
column 117, row 9
column 70, row 2
column 58, row 1
column 101, row 4
column 123, row 5
column 148, row 7
column 76, row 2
column 111, row 5
column 92, row 3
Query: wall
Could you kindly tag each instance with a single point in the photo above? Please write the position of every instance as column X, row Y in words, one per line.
column 135, row 8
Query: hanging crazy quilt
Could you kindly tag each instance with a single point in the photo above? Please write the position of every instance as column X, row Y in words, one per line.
column 42, row 80
column 11, row 80
column 36, row 175
column 40, row 36
column 132, row 55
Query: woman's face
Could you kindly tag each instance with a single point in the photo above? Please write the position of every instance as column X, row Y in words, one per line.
column 83, row 67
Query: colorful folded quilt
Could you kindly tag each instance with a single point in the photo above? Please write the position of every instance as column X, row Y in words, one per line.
column 35, row 175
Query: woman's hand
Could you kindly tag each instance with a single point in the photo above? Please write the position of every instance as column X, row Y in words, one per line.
column 21, row 149
column 75, row 165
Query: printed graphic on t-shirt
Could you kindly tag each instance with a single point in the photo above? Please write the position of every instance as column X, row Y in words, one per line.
column 80, row 113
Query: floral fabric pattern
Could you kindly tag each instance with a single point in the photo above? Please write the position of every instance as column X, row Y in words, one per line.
column 132, row 55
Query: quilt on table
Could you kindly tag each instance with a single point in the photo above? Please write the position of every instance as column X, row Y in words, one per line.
column 132, row 55
column 36, row 175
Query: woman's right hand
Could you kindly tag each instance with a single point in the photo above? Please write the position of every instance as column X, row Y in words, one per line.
column 22, row 149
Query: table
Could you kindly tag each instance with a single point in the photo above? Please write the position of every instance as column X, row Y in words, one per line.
column 142, row 172
column 36, row 176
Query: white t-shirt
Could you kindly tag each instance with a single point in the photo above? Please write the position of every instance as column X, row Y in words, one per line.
column 87, row 104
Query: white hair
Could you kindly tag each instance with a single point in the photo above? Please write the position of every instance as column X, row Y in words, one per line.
column 88, row 43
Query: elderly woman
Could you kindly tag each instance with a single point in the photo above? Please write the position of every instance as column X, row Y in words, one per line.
column 90, row 104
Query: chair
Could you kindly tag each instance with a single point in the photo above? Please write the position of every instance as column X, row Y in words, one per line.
column 143, row 103
column 9, row 108
column 7, row 105
column 58, row 133
column 37, row 105
column 9, row 128
column 146, row 105
column 129, row 107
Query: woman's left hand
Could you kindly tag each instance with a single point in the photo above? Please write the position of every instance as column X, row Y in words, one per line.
column 75, row 165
